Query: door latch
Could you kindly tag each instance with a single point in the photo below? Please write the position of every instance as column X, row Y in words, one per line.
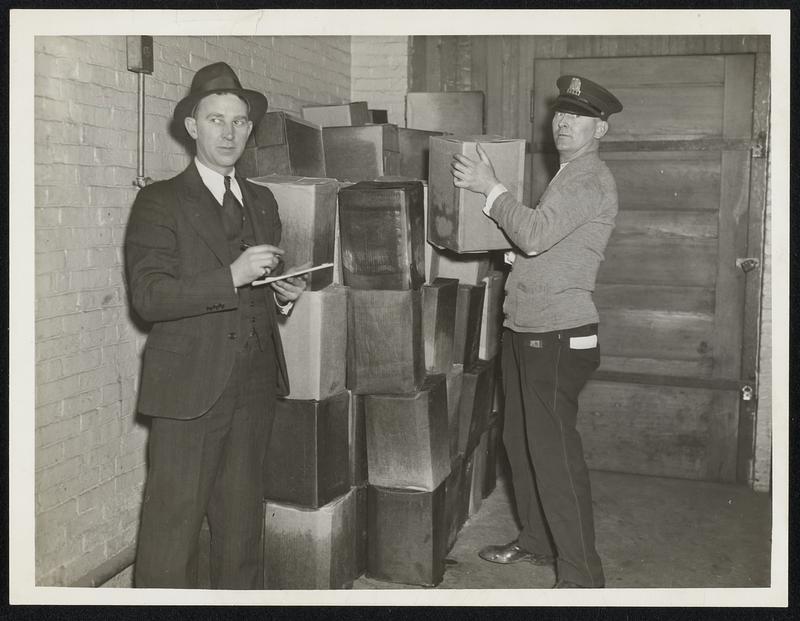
column 747, row 392
column 747, row 264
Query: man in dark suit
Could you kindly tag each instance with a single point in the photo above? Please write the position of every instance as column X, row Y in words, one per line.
column 213, row 363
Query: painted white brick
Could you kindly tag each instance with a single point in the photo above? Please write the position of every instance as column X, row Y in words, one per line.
column 55, row 132
column 76, row 447
column 67, row 196
column 47, row 414
column 128, row 480
column 48, row 371
column 48, row 456
column 57, row 473
column 83, row 563
column 117, row 544
column 94, row 498
column 57, row 432
column 82, row 403
column 53, row 522
column 55, row 174
column 74, row 216
column 127, row 462
column 57, row 305
column 47, row 329
column 83, row 361
column 102, row 456
column 136, row 438
column 50, row 109
column 50, row 262
column 88, row 279
column 56, row 390
column 77, row 255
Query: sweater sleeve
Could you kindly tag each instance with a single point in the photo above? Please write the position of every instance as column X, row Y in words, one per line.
column 565, row 207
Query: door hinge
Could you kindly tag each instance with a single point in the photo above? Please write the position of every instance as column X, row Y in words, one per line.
column 533, row 102
column 758, row 147
column 747, row 264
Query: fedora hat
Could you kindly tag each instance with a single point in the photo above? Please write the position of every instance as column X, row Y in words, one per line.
column 219, row 78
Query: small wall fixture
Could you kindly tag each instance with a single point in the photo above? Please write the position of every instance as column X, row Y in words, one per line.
column 140, row 61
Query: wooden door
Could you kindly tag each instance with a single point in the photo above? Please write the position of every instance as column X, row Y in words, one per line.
column 671, row 296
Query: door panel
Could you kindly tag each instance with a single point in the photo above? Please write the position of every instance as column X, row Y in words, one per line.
column 650, row 296
column 656, row 71
column 670, row 295
column 660, row 223
column 656, row 333
column 656, row 430
column 670, row 367
column 666, row 182
column 665, row 261
column 668, row 113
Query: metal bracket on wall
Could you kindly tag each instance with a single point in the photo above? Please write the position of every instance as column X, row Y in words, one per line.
column 140, row 61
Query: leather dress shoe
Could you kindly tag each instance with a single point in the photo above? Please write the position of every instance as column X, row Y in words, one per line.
column 513, row 553
column 566, row 584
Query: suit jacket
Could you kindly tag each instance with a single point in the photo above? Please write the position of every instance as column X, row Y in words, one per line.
column 178, row 267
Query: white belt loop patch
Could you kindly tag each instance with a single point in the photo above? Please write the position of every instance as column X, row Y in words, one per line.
column 583, row 342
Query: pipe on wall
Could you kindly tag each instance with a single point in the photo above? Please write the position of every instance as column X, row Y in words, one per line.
column 108, row 569
column 140, row 181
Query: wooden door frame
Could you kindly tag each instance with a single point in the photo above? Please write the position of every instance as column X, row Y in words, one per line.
column 754, row 279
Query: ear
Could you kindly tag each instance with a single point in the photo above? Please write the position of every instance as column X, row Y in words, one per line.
column 190, row 123
column 600, row 129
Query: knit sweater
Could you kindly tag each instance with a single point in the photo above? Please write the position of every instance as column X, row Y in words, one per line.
column 562, row 242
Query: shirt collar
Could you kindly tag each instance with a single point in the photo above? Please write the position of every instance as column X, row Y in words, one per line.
column 215, row 182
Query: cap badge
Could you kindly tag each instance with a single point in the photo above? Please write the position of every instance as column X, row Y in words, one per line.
column 575, row 87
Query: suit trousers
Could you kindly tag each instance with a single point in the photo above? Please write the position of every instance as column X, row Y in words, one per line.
column 210, row 466
column 543, row 373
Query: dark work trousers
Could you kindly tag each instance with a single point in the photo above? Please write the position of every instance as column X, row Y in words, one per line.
column 542, row 377
column 212, row 465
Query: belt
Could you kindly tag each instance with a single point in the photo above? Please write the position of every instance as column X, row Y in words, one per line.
column 585, row 330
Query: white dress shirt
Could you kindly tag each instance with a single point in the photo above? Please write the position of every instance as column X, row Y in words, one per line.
column 215, row 182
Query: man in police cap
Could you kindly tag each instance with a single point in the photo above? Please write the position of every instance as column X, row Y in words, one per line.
column 213, row 363
column 550, row 343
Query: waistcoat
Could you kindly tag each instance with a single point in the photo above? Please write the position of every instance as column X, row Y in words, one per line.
column 252, row 324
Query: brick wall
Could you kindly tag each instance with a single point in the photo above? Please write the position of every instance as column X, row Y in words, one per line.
column 380, row 74
column 90, row 447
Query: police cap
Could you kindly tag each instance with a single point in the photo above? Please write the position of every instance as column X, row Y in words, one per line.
column 577, row 95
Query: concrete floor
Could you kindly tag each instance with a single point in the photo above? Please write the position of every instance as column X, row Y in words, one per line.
column 651, row 532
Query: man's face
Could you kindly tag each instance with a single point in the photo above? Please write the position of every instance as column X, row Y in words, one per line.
column 220, row 128
column 575, row 135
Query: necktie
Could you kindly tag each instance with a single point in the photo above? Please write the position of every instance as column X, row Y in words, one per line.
column 231, row 211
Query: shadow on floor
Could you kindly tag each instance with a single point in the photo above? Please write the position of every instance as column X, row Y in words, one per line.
column 651, row 532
